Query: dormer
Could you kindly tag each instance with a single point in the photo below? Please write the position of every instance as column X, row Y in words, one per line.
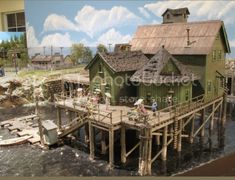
column 175, row 15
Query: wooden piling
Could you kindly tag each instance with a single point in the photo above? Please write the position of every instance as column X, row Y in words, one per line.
column 70, row 116
column 91, row 140
column 157, row 138
column 191, row 138
column 176, row 124
column 111, row 147
column 103, row 143
column 164, row 144
column 59, row 118
column 202, row 132
column 123, row 144
column 86, row 129
column 179, row 144
column 145, row 151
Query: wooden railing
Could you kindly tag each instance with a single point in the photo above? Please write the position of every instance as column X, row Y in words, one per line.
column 181, row 108
column 93, row 111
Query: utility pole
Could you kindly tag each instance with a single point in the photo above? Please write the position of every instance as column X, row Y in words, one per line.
column 44, row 50
column 37, row 94
column 110, row 47
column 51, row 50
column 61, row 50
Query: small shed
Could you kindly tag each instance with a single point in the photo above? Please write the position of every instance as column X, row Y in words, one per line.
column 49, row 132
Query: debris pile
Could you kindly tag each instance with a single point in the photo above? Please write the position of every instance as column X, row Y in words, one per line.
column 16, row 91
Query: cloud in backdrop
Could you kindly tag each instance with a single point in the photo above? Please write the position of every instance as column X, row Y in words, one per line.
column 116, row 24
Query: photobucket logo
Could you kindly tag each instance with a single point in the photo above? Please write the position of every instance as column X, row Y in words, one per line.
column 128, row 80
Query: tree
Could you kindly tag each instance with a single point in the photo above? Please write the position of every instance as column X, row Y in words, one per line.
column 14, row 43
column 101, row 48
column 80, row 53
column 87, row 56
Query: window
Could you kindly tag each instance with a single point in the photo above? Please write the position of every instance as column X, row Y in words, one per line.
column 100, row 68
column 108, row 88
column 148, row 98
column 187, row 95
column 222, row 83
column 214, row 55
column 15, row 22
column 219, row 55
column 208, row 86
column 168, row 16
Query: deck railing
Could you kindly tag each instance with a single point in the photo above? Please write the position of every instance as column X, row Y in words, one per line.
column 93, row 110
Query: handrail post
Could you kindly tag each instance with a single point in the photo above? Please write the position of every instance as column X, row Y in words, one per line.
column 98, row 111
column 111, row 118
column 121, row 115
column 158, row 116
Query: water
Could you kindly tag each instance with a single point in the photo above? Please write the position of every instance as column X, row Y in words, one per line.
column 72, row 159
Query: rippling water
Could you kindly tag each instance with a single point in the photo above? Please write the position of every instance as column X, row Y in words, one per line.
column 72, row 159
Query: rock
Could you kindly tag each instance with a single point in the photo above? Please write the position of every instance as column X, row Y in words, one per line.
column 18, row 92
column 5, row 85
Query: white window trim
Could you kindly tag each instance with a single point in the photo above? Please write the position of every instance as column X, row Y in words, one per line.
column 5, row 25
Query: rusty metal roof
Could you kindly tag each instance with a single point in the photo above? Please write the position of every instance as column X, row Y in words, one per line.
column 150, row 38
column 152, row 71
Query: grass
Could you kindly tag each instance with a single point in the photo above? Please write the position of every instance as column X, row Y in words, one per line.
column 46, row 73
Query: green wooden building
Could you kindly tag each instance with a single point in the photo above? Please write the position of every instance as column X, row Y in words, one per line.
column 202, row 46
column 164, row 76
column 111, row 72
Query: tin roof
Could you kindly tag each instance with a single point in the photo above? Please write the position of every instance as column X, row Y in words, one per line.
column 76, row 78
column 47, row 58
column 49, row 125
column 150, row 38
column 122, row 61
column 152, row 71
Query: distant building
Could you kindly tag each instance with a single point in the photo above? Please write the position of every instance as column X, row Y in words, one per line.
column 122, row 47
column 55, row 61
column 12, row 16
column 68, row 60
column 175, row 15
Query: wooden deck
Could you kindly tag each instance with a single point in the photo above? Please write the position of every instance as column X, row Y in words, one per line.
column 168, row 123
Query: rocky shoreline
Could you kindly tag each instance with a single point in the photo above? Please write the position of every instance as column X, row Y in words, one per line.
column 16, row 91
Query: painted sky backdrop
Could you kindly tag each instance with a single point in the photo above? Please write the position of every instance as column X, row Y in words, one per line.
column 6, row 36
column 60, row 23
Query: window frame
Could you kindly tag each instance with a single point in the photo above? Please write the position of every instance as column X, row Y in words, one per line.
column 16, row 27
column 209, row 84
column 187, row 94
column 219, row 54
column 214, row 55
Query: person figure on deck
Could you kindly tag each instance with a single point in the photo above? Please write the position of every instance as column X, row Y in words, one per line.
column 154, row 107
column 169, row 101
column 107, row 100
